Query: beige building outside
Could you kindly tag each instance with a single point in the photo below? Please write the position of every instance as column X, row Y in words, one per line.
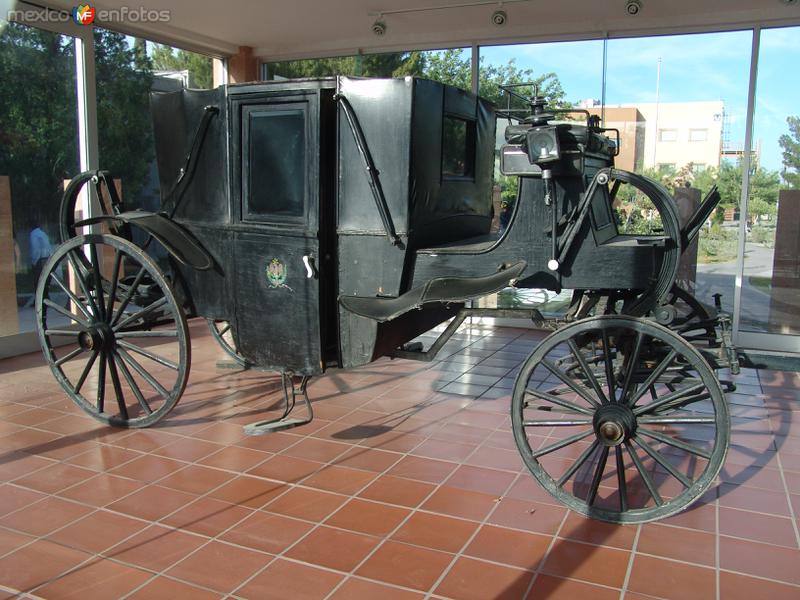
column 666, row 134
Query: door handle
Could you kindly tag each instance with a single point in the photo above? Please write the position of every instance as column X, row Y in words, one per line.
column 311, row 269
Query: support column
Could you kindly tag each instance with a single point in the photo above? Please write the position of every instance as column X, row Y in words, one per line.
column 243, row 66
column 9, row 317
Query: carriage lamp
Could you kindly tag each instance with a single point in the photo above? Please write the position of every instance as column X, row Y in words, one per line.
column 543, row 144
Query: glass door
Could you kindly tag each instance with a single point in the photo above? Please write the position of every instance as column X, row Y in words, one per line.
column 769, row 307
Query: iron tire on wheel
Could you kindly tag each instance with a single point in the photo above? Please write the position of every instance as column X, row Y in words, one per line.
column 655, row 438
column 124, row 322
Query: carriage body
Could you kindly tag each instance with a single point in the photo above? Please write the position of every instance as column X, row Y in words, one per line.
column 328, row 222
column 283, row 201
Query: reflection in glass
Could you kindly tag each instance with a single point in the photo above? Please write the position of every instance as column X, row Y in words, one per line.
column 771, row 276
column 38, row 152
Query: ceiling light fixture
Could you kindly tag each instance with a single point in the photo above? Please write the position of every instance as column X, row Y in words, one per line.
column 498, row 18
column 379, row 27
column 632, row 7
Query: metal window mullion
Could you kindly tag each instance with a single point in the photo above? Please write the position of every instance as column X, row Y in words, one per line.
column 86, row 90
column 475, row 68
column 746, row 162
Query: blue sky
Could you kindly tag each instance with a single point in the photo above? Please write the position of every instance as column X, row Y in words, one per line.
column 694, row 67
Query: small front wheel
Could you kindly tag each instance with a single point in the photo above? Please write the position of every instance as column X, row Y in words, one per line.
column 112, row 331
column 620, row 419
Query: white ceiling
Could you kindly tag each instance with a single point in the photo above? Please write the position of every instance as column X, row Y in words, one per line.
column 309, row 28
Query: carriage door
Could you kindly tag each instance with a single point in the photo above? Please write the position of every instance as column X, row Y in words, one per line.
column 276, row 169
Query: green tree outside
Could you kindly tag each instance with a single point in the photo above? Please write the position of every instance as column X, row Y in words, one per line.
column 790, row 143
column 200, row 67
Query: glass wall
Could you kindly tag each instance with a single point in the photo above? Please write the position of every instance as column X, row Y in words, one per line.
column 567, row 74
column 771, row 274
column 38, row 153
column 127, row 71
column 453, row 66
column 680, row 103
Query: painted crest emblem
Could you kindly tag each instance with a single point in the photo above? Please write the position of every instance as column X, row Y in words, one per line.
column 276, row 274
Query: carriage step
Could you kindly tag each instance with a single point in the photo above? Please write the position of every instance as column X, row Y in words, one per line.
column 440, row 289
column 290, row 392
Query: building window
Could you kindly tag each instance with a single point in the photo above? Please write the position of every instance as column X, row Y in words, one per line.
column 698, row 168
column 665, row 167
column 698, row 135
column 667, row 135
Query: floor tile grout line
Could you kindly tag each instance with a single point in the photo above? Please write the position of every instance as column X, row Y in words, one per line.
column 792, row 514
column 547, row 553
column 631, row 558
column 443, row 575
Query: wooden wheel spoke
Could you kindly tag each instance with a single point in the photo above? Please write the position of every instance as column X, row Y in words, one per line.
column 225, row 329
column 137, row 392
column 559, row 401
column 101, row 383
column 112, row 369
column 63, row 311
column 146, row 353
column 679, row 395
column 77, row 269
column 75, row 300
column 587, row 372
column 129, row 295
column 68, row 357
column 621, row 484
column 143, row 372
column 556, row 423
column 112, row 292
column 653, row 377
column 569, row 383
column 656, row 456
column 667, row 420
column 150, row 308
column 154, row 333
column 98, row 280
column 676, row 443
column 609, row 366
column 633, row 362
column 578, row 463
column 85, row 372
column 60, row 332
column 648, row 481
column 562, row 443
column 598, row 475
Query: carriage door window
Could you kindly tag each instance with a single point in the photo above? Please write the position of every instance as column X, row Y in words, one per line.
column 458, row 148
column 274, row 163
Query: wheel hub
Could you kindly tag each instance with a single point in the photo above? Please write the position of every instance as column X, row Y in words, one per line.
column 614, row 424
column 98, row 336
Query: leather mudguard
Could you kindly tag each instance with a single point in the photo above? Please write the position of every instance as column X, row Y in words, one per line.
column 181, row 244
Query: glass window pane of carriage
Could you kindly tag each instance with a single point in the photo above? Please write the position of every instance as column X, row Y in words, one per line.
column 38, row 155
column 771, row 277
column 680, row 103
column 458, row 147
column 277, row 163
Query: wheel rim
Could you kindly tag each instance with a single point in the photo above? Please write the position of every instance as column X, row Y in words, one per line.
column 129, row 358
column 221, row 330
column 620, row 419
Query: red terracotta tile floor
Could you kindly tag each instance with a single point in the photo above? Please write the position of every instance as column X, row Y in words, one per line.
column 406, row 485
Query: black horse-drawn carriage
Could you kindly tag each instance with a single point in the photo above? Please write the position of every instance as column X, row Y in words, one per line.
column 326, row 223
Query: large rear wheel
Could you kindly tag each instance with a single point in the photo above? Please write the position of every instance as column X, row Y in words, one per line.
column 112, row 331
